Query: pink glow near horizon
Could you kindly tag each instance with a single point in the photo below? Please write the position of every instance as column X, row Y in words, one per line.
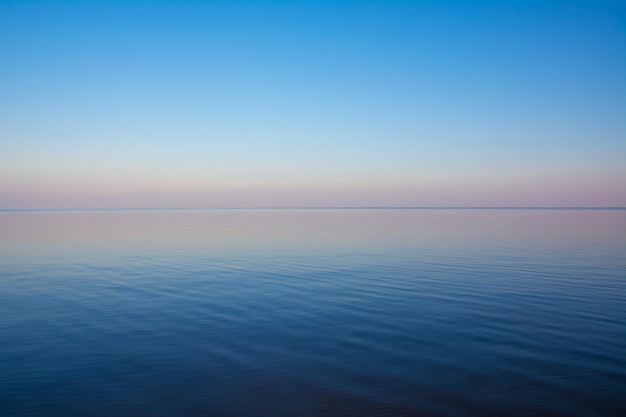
column 589, row 193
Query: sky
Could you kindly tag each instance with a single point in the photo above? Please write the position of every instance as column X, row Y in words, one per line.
column 201, row 104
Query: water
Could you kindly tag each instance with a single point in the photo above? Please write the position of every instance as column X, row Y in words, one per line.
column 313, row 313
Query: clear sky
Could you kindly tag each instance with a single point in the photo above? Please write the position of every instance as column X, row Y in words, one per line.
column 321, row 103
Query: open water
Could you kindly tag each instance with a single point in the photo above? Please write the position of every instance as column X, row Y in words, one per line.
column 313, row 313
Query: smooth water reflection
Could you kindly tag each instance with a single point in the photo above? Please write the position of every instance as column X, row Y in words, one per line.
column 313, row 313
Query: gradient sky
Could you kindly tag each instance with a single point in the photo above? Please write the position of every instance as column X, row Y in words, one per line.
column 321, row 103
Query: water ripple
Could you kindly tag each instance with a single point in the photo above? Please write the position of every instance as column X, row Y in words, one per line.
column 305, row 314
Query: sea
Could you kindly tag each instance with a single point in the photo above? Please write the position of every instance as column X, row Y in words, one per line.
column 313, row 312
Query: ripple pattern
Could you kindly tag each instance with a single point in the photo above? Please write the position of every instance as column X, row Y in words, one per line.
column 313, row 313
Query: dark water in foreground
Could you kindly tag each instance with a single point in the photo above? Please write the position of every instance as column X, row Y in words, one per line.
column 313, row 313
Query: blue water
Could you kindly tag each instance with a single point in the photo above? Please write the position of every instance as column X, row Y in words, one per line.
column 313, row 313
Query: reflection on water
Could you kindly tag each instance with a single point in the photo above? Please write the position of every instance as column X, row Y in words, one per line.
column 313, row 313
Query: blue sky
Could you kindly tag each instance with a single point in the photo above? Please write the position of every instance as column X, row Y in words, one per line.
column 320, row 103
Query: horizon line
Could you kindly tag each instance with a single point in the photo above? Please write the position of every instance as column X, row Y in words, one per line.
column 318, row 208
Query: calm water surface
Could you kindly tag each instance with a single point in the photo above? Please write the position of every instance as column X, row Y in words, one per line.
column 313, row 313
